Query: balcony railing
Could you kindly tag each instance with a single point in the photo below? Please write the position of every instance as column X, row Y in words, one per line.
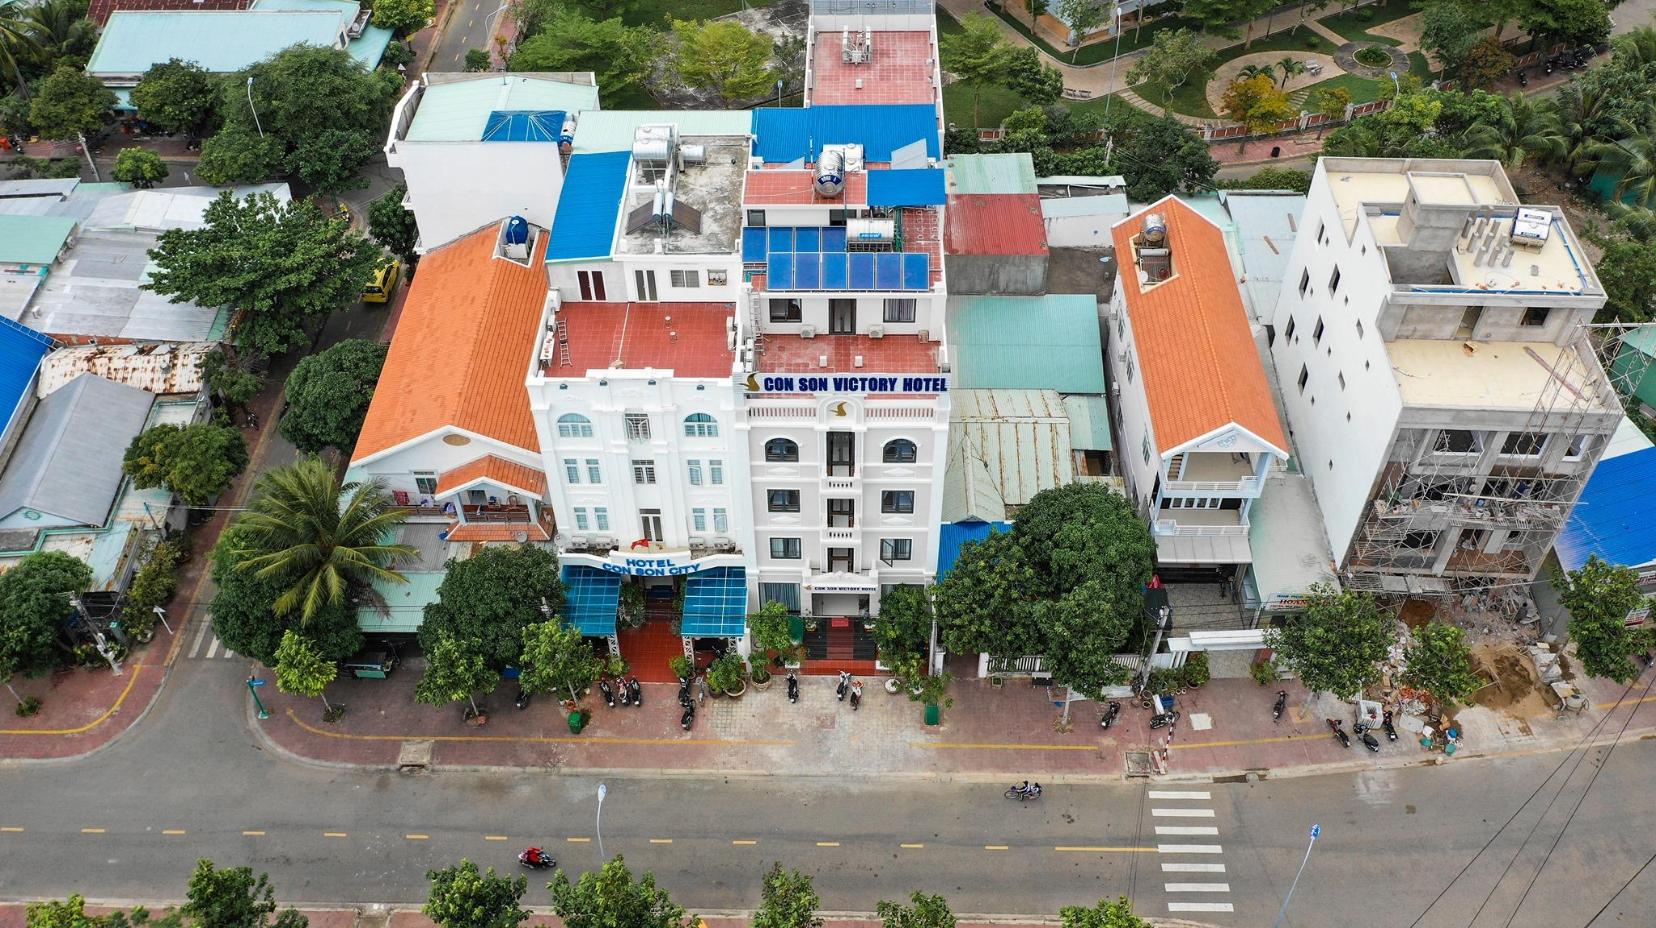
column 1244, row 486
column 496, row 514
column 1171, row 527
column 840, row 534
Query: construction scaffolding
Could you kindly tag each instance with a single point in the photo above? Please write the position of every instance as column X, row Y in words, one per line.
column 1454, row 518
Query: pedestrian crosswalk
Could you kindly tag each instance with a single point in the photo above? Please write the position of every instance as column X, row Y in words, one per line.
column 214, row 648
column 1195, row 881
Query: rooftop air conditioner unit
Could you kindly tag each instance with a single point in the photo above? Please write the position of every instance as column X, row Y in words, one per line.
column 724, row 544
column 807, row 331
column 876, row 331
column 579, row 541
column 700, row 541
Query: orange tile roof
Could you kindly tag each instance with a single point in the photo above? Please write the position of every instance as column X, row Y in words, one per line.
column 1196, row 353
column 789, row 187
column 509, row 474
column 461, row 349
column 497, row 531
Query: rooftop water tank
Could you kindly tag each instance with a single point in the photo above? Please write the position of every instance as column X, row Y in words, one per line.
column 830, row 174
column 517, row 231
column 1155, row 229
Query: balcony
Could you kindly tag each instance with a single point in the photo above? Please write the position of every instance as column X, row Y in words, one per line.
column 1201, row 537
column 1200, row 522
column 495, row 514
column 1209, row 473
column 836, row 534
column 841, row 484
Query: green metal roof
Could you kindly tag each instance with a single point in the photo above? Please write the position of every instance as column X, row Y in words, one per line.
column 1011, row 173
column 367, row 48
column 1089, row 419
column 406, row 602
column 33, row 239
column 613, row 130
column 457, row 111
column 221, row 41
column 1027, row 342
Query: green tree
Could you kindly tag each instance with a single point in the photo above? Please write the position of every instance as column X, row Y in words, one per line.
column 1635, row 158
column 1440, row 663
column 925, row 912
column 770, row 631
column 301, row 669
column 1587, row 115
column 1599, row 597
column 179, row 96
column 1626, row 272
column 1271, row 179
column 786, row 900
column 478, row 60
column 70, row 103
column 328, row 395
column 283, row 266
column 1222, row 16
column 1336, row 645
column 611, row 898
column 1290, row 67
column 392, row 225
column 1331, row 103
column 140, row 167
column 463, row 897
column 1107, row 914
column 233, row 898
column 556, row 657
column 196, row 461
column 1449, row 29
column 1083, row 17
column 71, row 913
column 328, row 161
column 34, row 602
column 723, row 58
column 621, row 56
column 1173, row 57
column 454, row 671
column 245, row 617
column 1485, row 64
column 982, row 603
column 61, row 33
column 1572, row 22
column 322, row 540
column 976, row 55
column 1166, row 157
column 1257, row 104
column 404, row 17
column 487, row 600
column 232, row 383
column 237, row 156
column 1026, row 76
column 1524, row 126
column 905, row 623
column 1037, row 9
column 17, row 42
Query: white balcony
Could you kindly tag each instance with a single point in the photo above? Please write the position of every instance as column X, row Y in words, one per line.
column 1201, row 536
column 1211, row 473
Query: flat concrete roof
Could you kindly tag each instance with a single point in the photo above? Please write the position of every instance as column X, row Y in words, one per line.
column 713, row 188
column 1557, row 266
column 1492, row 375
column 1387, row 181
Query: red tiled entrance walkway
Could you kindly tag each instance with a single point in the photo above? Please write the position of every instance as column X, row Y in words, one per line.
column 649, row 648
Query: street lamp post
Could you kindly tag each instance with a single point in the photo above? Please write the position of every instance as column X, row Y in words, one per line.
column 255, row 109
column 602, row 792
column 1316, row 830
column 161, row 614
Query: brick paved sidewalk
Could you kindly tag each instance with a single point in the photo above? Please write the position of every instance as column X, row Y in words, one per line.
column 83, row 709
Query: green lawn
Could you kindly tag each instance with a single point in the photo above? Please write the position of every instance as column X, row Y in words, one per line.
column 994, row 105
column 1191, row 98
column 1354, row 27
column 1096, row 52
column 653, row 12
column 1362, row 89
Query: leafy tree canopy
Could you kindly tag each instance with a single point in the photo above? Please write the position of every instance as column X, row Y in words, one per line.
column 925, row 912
column 556, row 658
column 229, row 381
column 404, row 17
column 454, row 671
column 1025, row 75
column 1440, row 663
column 179, row 96
column 1107, row 914
column 1336, row 645
column 905, row 623
column 723, row 58
column 1626, row 271
column 300, row 667
column 1174, row 56
column 70, row 103
column 611, row 898
column 786, row 900
column 1574, row 22
column 238, row 156
column 392, row 225
column 196, row 461
column 140, row 167
column 489, row 599
column 34, row 602
column 977, row 55
column 328, row 161
column 463, row 897
column 1599, row 596
column 232, row 897
column 245, row 617
column 328, row 395
column 621, row 56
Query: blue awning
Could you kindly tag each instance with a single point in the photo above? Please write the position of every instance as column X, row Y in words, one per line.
column 523, row 126
column 584, row 225
column 917, row 187
column 1613, row 518
column 784, row 134
column 715, row 603
column 951, row 535
column 591, row 597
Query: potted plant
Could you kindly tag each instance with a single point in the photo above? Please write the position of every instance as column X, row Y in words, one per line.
column 726, row 675
column 1195, row 670
column 631, row 609
column 810, row 622
column 769, row 628
column 681, row 666
column 759, row 674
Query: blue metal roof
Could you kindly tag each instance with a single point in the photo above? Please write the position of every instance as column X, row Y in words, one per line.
column 1615, row 518
column 951, row 535
column 523, row 126
column 21, row 349
column 591, row 597
column 788, row 134
column 916, row 187
column 584, row 226
column 715, row 603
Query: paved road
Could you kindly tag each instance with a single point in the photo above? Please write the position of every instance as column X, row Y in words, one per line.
column 468, row 27
column 192, row 781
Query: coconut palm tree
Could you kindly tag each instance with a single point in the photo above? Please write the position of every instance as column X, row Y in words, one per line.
column 1289, row 66
column 17, row 42
column 1635, row 158
column 1583, row 110
column 319, row 537
column 60, row 29
column 1523, row 127
column 1250, row 71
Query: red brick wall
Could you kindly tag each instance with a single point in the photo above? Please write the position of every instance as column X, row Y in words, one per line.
column 99, row 13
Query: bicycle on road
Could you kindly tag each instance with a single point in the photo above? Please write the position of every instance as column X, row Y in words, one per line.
column 1025, row 792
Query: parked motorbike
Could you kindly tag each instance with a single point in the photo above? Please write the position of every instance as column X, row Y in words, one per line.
column 536, row 859
column 608, row 691
column 793, row 687
column 1547, row 68
column 684, row 692
column 1280, row 704
column 844, row 685
column 1109, row 717
column 636, row 691
column 622, row 692
column 1339, row 731
column 1386, row 723
column 1163, row 720
column 522, row 699
column 856, row 694
column 688, row 719
column 1369, row 741
column 1523, row 79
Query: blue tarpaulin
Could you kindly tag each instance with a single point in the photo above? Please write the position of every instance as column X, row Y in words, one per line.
column 951, row 535
column 591, row 597
column 584, row 226
column 715, row 603
column 788, row 134
column 918, row 187
column 1615, row 518
column 523, row 126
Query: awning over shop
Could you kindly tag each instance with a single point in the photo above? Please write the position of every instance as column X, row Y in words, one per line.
column 591, row 597
column 715, row 603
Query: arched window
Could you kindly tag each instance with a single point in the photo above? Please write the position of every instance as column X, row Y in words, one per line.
column 574, row 425
column 781, row 450
column 899, row 451
column 701, row 425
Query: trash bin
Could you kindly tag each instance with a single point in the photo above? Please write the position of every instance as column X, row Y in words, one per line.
column 1276, row 151
column 934, row 713
column 577, row 721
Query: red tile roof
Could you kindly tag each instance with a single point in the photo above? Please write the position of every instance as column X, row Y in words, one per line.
column 900, row 72
column 995, row 224
column 687, row 339
column 893, row 354
column 497, row 531
column 1196, row 353
column 99, row 10
column 504, row 473
column 778, row 187
column 462, row 347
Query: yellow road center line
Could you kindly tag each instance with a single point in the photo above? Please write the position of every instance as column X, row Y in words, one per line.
column 577, row 840
column 333, row 834
column 912, row 846
column 172, row 831
column 254, row 834
column 92, row 831
column 827, row 844
column 418, row 837
column 494, row 837
column 995, row 847
column 742, row 843
column 1090, row 849
column 11, row 829
column 661, row 840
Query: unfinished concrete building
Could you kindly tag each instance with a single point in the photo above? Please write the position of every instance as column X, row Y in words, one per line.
column 1442, row 381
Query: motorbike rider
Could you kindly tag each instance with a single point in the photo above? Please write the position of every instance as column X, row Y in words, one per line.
column 534, row 856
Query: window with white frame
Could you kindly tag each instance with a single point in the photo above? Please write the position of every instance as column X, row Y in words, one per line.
column 595, row 474
column 684, row 278
column 574, row 425
column 698, row 520
column 896, row 549
column 638, row 426
column 581, row 521
column 644, row 472
column 600, row 514
column 900, row 309
column 1578, row 447
column 715, row 472
column 694, row 467
column 425, row 483
column 721, row 520
column 572, row 470
column 701, row 425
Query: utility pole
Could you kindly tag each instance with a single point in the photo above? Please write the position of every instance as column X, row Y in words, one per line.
column 98, row 638
column 87, row 151
column 602, row 792
column 1316, row 831
column 1164, row 618
column 255, row 109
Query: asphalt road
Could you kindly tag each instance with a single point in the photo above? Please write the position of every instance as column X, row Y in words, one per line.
column 468, row 27
column 191, row 781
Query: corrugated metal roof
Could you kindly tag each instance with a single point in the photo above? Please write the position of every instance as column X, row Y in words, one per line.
column 1004, row 447
column 914, row 187
column 21, row 349
column 458, row 110
column 1010, row 173
column 995, row 224
column 523, row 126
column 221, row 41
column 1615, row 518
column 159, row 367
column 584, row 227
column 788, row 134
column 1266, row 225
column 1030, row 342
column 405, row 603
column 68, row 463
column 1089, row 417
column 951, row 536
column 33, row 239
column 613, row 130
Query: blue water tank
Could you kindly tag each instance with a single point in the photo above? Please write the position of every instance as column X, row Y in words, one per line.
column 517, row 230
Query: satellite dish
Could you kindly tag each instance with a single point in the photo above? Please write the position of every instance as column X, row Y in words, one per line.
column 521, row 537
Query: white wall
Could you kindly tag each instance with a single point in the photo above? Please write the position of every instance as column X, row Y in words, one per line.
column 456, row 187
column 1131, row 407
column 1341, row 435
column 663, row 265
column 432, row 455
column 929, row 312
column 565, row 280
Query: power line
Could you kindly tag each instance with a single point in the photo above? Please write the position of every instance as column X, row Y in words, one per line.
column 1602, row 908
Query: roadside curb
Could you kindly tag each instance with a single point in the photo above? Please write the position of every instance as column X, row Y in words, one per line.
column 155, row 697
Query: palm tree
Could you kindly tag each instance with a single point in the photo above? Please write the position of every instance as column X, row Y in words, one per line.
column 325, row 539
column 1523, row 126
column 1583, row 114
column 1250, row 71
column 1635, row 157
column 16, row 41
column 60, row 29
column 1289, row 66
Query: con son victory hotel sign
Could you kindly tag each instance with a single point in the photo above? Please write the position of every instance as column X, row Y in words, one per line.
column 827, row 384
